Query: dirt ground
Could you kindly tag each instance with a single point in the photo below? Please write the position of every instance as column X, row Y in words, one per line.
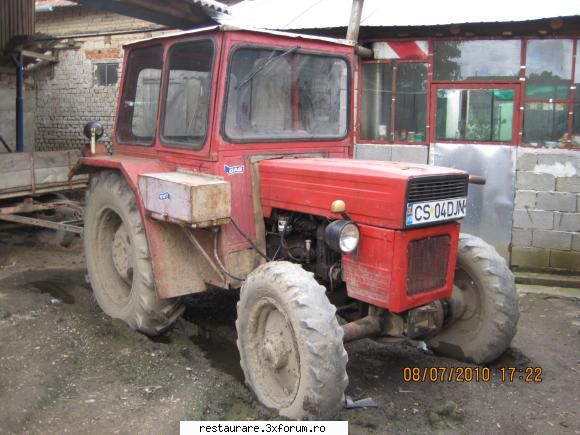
column 65, row 367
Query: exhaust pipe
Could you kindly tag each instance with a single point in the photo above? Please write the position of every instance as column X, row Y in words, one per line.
column 354, row 28
column 354, row 21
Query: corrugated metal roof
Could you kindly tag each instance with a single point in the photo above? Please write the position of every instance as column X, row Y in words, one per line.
column 312, row 14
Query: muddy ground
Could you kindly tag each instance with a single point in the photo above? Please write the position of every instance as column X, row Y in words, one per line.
column 65, row 367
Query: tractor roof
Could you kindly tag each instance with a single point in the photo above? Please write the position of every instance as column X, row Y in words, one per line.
column 230, row 28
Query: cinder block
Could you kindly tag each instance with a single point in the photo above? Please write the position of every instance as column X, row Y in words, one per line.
column 410, row 153
column 557, row 201
column 567, row 222
column 578, row 203
column 530, row 257
column 522, row 238
column 576, row 242
column 535, row 219
column 552, row 240
column 568, row 184
column 525, row 199
column 527, row 162
column 568, row 260
column 372, row 152
column 531, row 181
column 552, row 159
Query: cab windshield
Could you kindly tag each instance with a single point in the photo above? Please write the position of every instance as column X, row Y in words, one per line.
column 286, row 94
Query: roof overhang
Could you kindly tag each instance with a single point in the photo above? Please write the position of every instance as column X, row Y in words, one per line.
column 180, row 14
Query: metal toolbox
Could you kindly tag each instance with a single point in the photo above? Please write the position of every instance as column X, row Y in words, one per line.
column 194, row 199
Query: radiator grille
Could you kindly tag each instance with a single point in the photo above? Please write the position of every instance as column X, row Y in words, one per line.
column 430, row 189
column 428, row 261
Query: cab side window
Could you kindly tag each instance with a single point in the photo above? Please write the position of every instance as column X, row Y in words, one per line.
column 184, row 120
column 137, row 120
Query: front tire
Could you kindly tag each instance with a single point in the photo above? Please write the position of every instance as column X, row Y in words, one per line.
column 290, row 343
column 485, row 288
column 117, row 255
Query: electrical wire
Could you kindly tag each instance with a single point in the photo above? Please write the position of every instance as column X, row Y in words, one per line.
column 219, row 262
column 250, row 241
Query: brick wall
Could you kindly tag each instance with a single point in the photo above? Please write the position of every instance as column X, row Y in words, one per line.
column 546, row 230
column 67, row 93
column 78, row 20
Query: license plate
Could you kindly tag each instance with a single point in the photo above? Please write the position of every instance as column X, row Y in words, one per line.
column 435, row 211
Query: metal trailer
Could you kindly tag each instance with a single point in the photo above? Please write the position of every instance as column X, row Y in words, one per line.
column 36, row 190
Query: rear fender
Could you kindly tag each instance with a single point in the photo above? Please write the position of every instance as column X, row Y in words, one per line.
column 177, row 265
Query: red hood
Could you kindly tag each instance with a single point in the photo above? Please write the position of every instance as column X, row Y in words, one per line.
column 374, row 191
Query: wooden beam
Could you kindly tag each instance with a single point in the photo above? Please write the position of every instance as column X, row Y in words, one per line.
column 35, row 55
column 173, row 13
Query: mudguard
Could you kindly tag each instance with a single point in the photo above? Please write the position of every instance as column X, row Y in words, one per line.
column 178, row 267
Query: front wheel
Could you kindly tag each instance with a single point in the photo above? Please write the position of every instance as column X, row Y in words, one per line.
column 485, row 296
column 290, row 343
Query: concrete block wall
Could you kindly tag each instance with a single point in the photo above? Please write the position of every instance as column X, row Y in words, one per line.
column 67, row 95
column 395, row 153
column 546, row 229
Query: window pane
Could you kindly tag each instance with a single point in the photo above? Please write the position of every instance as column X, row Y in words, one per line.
column 476, row 60
column 138, row 110
column 376, row 100
column 548, row 68
column 411, row 102
column 577, row 73
column 187, row 97
column 282, row 94
column 106, row 74
column 576, row 126
column 545, row 124
column 483, row 115
column 112, row 73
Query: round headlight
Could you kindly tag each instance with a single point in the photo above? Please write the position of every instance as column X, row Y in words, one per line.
column 349, row 238
column 342, row 236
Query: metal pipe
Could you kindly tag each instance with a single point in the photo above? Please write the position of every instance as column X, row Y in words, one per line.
column 17, row 59
column 354, row 21
column 369, row 326
column 477, row 179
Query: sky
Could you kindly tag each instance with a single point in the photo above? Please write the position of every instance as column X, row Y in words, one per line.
column 296, row 14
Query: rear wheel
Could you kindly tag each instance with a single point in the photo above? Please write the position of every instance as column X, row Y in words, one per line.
column 290, row 343
column 485, row 296
column 118, row 260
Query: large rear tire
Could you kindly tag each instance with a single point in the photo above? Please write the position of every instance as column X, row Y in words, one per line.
column 117, row 255
column 290, row 343
column 485, row 288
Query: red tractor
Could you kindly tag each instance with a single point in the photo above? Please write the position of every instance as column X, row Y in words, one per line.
column 232, row 166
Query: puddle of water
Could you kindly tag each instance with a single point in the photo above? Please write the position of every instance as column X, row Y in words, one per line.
column 58, row 283
column 54, row 288
column 222, row 354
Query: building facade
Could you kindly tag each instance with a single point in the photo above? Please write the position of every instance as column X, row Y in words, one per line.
column 83, row 85
column 504, row 108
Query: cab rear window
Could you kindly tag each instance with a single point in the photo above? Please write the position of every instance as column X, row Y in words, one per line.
column 137, row 120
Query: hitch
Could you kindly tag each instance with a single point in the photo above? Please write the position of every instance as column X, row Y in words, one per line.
column 421, row 322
